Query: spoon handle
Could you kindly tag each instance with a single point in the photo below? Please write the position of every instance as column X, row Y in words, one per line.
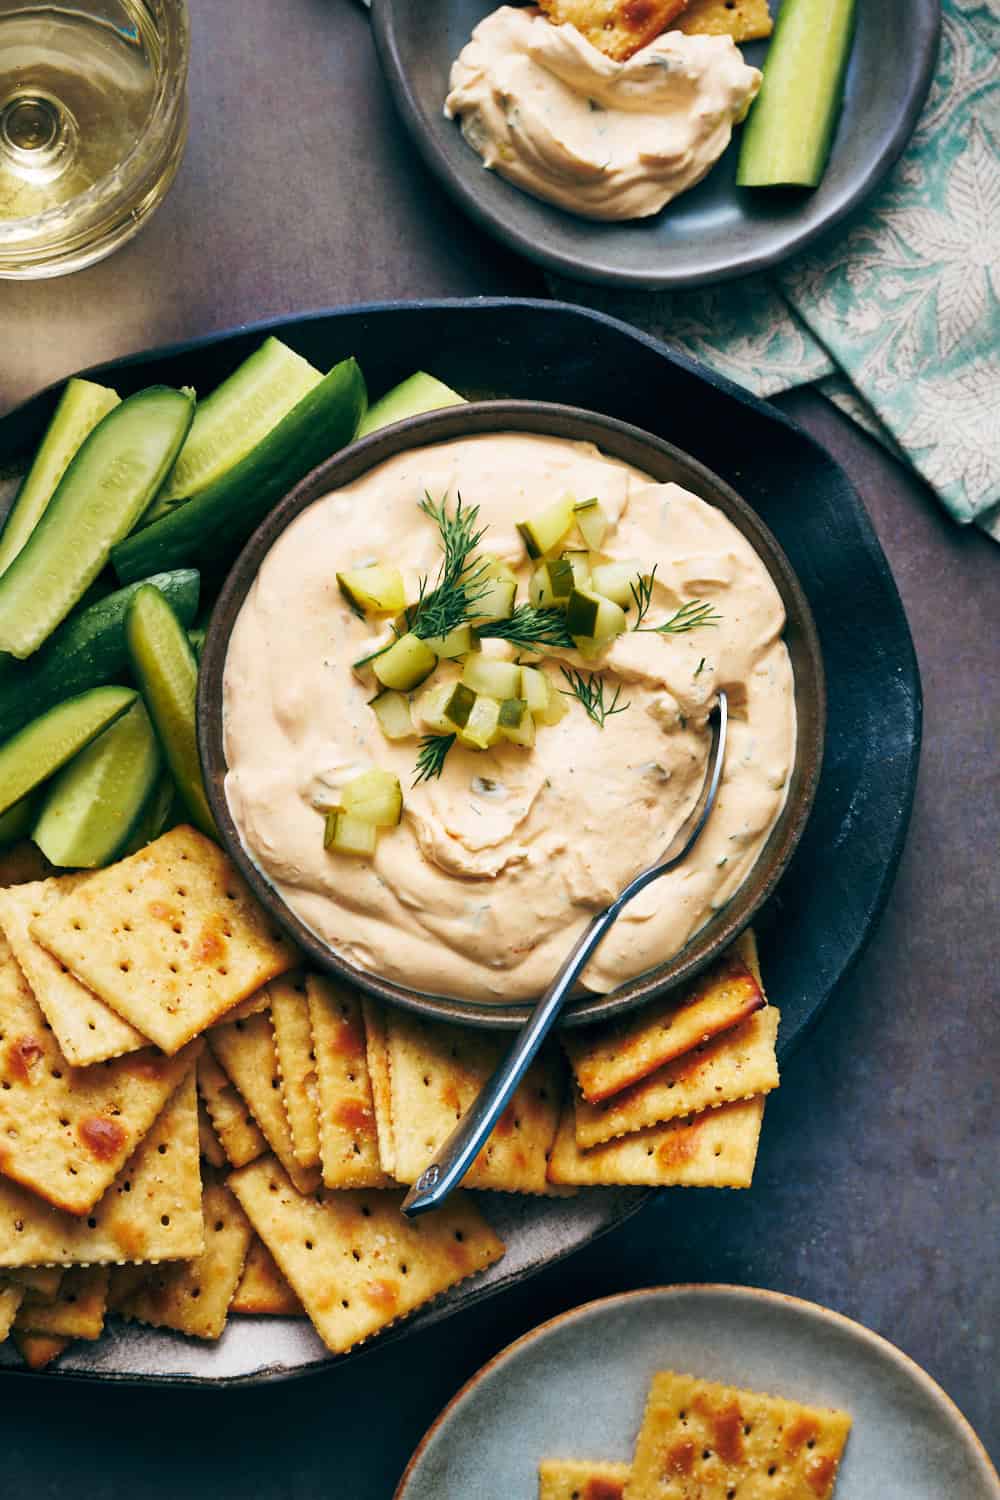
column 466, row 1140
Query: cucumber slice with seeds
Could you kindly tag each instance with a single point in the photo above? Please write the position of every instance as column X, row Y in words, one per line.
column 155, row 817
column 48, row 742
column 95, row 802
column 81, row 406
column 496, row 601
column 406, row 664
column 165, row 668
column 231, row 421
column 106, row 487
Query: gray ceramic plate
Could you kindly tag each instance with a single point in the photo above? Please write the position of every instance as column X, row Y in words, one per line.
column 576, row 1387
column 715, row 231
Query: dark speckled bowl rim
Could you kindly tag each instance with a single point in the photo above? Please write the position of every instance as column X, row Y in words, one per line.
column 619, row 440
column 661, row 1294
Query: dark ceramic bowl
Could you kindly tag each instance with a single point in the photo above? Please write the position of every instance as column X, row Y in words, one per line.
column 664, row 463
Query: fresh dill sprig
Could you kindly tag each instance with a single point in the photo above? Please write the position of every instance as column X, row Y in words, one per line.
column 590, row 691
column 529, row 627
column 460, row 581
column 433, row 751
column 689, row 617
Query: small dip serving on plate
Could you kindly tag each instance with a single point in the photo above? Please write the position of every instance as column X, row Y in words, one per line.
column 499, row 859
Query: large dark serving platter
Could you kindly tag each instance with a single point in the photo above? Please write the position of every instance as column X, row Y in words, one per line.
column 825, row 908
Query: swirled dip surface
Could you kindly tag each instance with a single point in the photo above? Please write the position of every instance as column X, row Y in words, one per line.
column 497, row 866
column 604, row 139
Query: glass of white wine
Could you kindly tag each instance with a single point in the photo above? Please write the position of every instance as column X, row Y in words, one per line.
column 93, row 120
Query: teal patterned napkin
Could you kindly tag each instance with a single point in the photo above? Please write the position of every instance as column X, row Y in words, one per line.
column 897, row 317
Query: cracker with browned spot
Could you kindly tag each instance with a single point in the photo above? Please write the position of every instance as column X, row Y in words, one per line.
column 293, row 1043
column 436, row 1072
column 347, row 1132
column 377, row 1058
column 618, row 28
column 703, row 1441
column 77, row 1312
column 170, row 938
column 193, row 1296
column 716, row 1148
column 11, row 1298
column 743, row 20
column 39, row 1349
column 245, row 1051
column 66, row 1132
column 581, row 1479
column 152, row 1210
column 610, row 1057
column 259, row 1001
column 208, row 1142
column 87, row 1030
column 262, row 1289
column 734, row 1065
column 354, row 1261
column 239, row 1134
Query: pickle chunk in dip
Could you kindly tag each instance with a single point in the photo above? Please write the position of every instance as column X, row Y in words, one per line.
column 497, row 863
column 603, row 139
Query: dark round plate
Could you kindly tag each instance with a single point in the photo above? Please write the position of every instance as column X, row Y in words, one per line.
column 713, row 232
column 822, row 914
column 577, row 1386
column 665, row 463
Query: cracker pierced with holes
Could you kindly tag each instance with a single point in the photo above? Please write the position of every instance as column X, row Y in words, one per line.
column 11, row 1298
column 735, row 1065
column 87, row 1030
column 617, row 28
column 77, row 1312
column 717, row 1148
column 193, row 1296
column 347, row 1132
column 170, row 938
column 436, row 1072
column 702, row 1441
column 581, row 1479
column 356, row 1264
column 262, row 1289
column 743, row 20
column 208, row 1142
column 245, row 1050
column 293, row 1043
column 39, row 1349
column 66, row 1132
column 239, row 1134
column 606, row 1059
column 377, row 1057
column 152, row 1211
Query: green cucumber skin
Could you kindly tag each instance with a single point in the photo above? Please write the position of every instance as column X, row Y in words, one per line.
column 216, row 523
column 411, row 398
column 17, row 822
column 155, row 816
column 789, row 131
column 86, row 651
column 164, row 666
column 108, row 484
column 249, row 391
column 81, row 406
column 95, row 803
column 45, row 745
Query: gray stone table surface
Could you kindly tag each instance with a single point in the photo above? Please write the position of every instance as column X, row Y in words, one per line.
column 876, row 1191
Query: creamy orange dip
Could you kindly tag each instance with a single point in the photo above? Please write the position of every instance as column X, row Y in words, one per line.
column 496, row 867
column 603, row 139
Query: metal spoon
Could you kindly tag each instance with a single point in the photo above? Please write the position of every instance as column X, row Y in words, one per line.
column 462, row 1147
